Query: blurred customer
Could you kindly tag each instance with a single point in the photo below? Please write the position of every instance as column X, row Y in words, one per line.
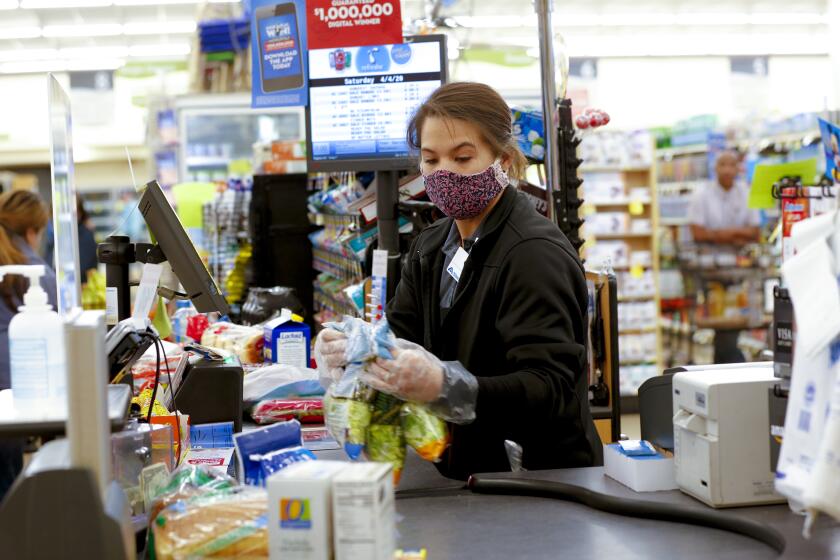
column 722, row 223
column 719, row 214
column 23, row 219
column 87, row 243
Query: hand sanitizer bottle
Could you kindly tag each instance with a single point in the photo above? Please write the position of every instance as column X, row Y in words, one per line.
column 36, row 348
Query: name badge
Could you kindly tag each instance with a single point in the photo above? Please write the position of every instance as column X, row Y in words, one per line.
column 457, row 265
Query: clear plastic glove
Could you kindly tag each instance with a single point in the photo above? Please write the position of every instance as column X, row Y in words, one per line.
column 330, row 351
column 417, row 375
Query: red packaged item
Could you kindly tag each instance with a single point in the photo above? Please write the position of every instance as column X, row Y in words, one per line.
column 196, row 325
column 305, row 411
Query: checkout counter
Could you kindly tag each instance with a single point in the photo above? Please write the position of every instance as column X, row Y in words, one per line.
column 450, row 521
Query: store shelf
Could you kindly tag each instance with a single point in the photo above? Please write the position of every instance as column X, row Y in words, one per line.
column 617, row 202
column 643, row 330
column 637, row 362
column 667, row 153
column 200, row 161
column 624, row 235
column 626, row 299
column 613, row 168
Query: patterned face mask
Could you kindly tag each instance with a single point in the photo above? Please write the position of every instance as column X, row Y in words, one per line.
column 465, row 196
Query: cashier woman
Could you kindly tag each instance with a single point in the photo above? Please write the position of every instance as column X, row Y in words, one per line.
column 23, row 219
column 491, row 303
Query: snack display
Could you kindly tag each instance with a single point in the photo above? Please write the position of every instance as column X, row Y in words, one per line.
column 305, row 411
column 231, row 524
column 246, row 342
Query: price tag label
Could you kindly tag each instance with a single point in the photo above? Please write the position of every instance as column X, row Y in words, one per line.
column 353, row 23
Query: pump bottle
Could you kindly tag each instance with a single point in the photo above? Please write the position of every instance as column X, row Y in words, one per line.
column 36, row 348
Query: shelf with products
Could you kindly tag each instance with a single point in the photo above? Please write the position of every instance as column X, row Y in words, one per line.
column 105, row 208
column 620, row 213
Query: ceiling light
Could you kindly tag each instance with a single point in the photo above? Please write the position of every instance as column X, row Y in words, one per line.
column 19, row 55
column 564, row 20
column 20, row 32
column 116, row 51
column 59, row 65
column 8, row 4
column 46, row 4
column 159, row 27
column 159, row 50
column 83, row 30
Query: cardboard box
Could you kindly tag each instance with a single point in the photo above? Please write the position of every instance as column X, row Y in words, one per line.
column 287, row 340
column 363, row 512
column 300, row 510
column 641, row 474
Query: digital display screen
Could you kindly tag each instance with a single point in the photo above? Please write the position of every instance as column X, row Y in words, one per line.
column 361, row 98
column 280, row 46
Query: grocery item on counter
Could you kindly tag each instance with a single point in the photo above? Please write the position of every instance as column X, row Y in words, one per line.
column 245, row 342
column 306, row 411
column 253, row 445
column 189, row 481
column 280, row 382
column 275, row 461
column 228, row 524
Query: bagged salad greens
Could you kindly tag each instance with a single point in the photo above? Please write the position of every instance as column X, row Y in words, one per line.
column 373, row 425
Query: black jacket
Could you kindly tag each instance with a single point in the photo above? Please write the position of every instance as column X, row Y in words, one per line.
column 518, row 323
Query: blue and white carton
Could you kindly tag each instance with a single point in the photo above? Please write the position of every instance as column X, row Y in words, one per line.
column 288, row 340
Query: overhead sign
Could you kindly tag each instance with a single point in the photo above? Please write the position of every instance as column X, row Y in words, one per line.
column 278, row 45
column 353, row 23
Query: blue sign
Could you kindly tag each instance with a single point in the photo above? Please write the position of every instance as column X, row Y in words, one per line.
column 401, row 54
column 373, row 60
column 278, row 49
column 831, row 146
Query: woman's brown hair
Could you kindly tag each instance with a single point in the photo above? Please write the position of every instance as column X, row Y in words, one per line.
column 20, row 212
column 480, row 105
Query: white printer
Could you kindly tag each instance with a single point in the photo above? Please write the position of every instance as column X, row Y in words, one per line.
column 722, row 435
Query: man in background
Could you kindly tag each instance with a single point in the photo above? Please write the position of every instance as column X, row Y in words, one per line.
column 719, row 214
column 721, row 222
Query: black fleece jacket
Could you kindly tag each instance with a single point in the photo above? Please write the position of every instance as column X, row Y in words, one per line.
column 518, row 323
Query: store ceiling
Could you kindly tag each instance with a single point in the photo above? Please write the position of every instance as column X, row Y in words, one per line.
column 35, row 35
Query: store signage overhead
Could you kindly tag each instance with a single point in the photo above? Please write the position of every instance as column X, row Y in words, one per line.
column 278, row 45
column 353, row 23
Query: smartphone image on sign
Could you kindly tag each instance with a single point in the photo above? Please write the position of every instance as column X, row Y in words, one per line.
column 280, row 50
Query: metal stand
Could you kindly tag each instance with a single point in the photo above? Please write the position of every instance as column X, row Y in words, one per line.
column 387, row 199
column 549, row 99
column 117, row 253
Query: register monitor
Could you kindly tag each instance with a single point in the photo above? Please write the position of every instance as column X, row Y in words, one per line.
column 361, row 99
column 179, row 251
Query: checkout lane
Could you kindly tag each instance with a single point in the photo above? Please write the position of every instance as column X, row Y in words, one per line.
column 450, row 521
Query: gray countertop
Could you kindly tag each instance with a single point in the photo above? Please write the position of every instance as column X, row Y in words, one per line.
column 451, row 522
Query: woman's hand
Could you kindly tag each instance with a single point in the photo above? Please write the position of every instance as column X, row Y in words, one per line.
column 413, row 375
column 330, row 347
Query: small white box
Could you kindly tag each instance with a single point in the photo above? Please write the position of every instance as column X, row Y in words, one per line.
column 363, row 512
column 641, row 474
column 300, row 510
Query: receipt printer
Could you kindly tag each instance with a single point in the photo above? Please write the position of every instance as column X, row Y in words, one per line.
column 722, row 435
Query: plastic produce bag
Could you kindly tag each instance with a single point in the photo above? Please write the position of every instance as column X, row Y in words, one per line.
column 374, row 425
column 223, row 525
column 190, row 481
column 280, row 382
column 427, row 434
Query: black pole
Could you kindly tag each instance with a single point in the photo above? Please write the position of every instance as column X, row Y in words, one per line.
column 117, row 253
column 387, row 199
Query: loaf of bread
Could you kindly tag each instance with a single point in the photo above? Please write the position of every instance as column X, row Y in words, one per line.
column 245, row 342
column 226, row 525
